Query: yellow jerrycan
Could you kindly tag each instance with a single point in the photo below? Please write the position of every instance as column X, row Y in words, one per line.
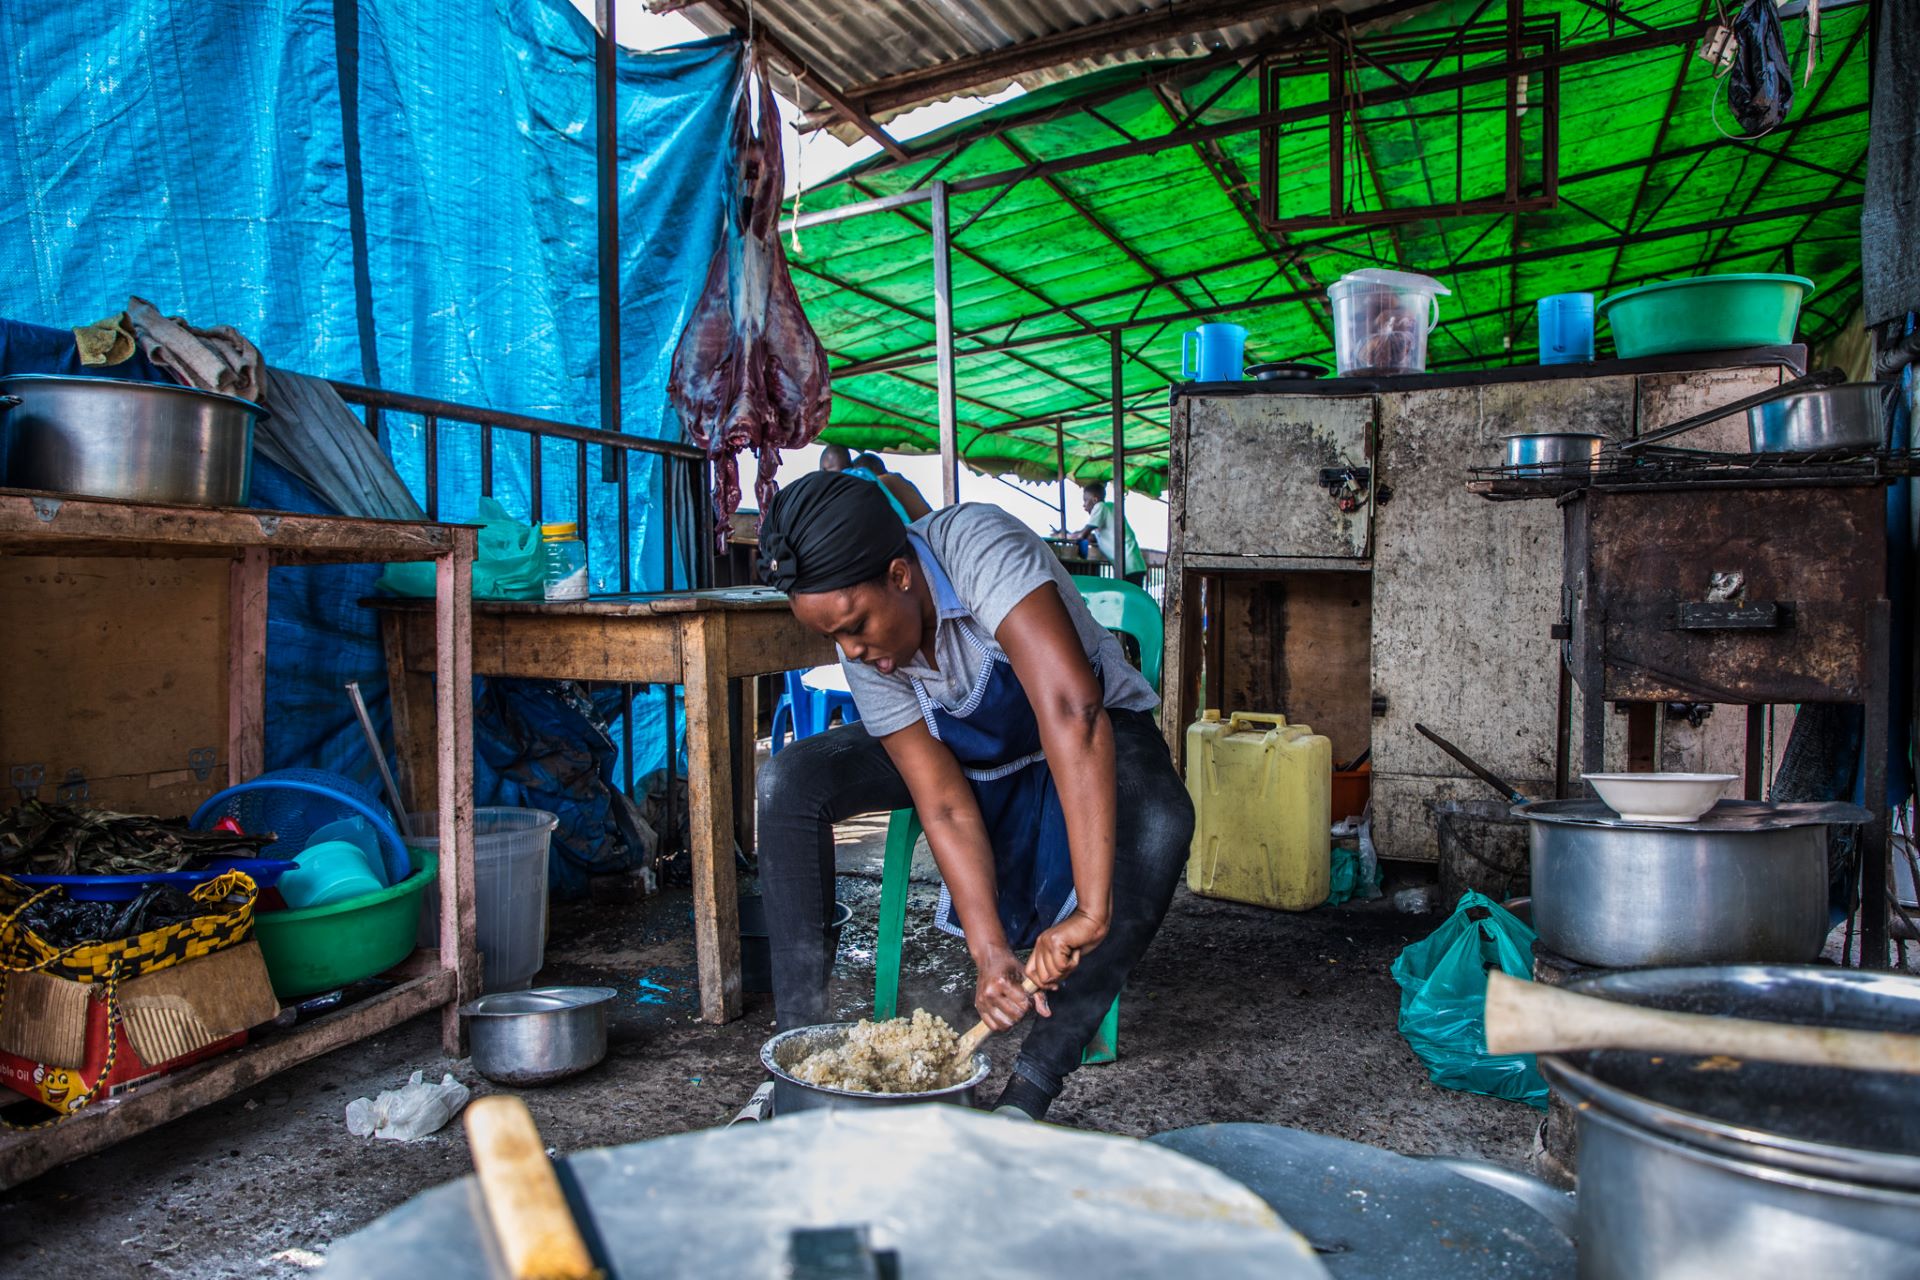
column 1262, row 805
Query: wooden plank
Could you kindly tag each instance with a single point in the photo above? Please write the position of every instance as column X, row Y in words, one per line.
column 453, row 745
column 114, row 693
column 747, row 599
column 716, row 919
column 39, row 523
column 410, row 693
column 771, row 643
column 1180, row 654
column 1297, row 644
column 744, row 719
column 27, row 1154
column 247, row 666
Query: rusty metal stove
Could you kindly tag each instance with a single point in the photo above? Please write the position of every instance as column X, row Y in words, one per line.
column 1743, row 590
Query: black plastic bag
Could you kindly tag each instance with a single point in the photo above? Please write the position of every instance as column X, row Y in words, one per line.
column 1760, row 82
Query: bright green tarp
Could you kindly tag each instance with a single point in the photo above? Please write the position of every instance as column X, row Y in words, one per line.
column 1640, row 158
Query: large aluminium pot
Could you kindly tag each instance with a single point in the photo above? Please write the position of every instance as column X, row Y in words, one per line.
column 1852, row 415
column 1706, row 1168
column 135, row 441
column 790, row 1093
column 1744, row 883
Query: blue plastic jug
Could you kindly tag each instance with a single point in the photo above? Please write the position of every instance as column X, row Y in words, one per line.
column 1213, row 353
column 1566, row 328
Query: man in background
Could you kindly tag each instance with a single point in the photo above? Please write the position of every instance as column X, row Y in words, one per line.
column 901, row 494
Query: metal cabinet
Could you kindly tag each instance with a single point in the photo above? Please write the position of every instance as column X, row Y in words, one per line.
column 1457, row 599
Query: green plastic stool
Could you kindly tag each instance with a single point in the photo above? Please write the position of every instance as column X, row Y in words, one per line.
column 903, row 830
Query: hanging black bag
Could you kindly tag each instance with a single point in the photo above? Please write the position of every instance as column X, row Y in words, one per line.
column 1760, row 82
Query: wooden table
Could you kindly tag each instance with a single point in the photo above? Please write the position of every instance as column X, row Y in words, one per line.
column 698, row 639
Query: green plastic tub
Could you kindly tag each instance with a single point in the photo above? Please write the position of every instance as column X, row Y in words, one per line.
column 1705, row 313
column 321, row 948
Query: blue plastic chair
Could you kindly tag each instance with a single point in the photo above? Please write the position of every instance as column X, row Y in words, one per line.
column 803, row 711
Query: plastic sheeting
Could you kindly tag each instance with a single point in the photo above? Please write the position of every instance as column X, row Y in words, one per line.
column 394, row 192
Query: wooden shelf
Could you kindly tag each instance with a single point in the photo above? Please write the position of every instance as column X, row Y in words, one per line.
column 41, row 524
column 28, row 1153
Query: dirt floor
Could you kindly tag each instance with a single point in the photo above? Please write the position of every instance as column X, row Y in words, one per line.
column 1236, row 1014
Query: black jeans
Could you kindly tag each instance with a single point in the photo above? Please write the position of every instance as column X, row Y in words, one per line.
column 843, row 773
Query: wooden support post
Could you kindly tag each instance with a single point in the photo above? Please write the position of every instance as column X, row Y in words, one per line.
column 453, row 743
column 247, row 666
column 410, row 698
column 1116, row 389
column 943, row 338
column 716, row 912
column 743, row 715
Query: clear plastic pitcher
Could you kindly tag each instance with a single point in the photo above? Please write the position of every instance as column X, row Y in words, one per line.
column 1381, row 320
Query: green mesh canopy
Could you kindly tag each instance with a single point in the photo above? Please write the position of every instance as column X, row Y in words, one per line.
column 1649, row 187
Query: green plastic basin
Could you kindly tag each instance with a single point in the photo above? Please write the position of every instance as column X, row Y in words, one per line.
column 1705, row 313
column 320, row 948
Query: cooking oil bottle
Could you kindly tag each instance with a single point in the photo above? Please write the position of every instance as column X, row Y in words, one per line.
column 1262, row 800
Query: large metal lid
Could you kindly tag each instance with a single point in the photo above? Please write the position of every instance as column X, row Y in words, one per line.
column 137, row 386
column 1727, row 815
column 1859, row 1126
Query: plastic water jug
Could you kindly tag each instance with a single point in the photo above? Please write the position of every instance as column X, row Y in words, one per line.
column 1566, row 328
column 1262, row 805
column 1213, row 353
column 1381, row 320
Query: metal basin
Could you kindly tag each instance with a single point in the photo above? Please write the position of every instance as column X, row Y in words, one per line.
column 1552, row 453
column 1745, row 882
column 793, row 1094
column 1763, row 1171
column 135, row 441
column 538, row 1036
column 1850, row 416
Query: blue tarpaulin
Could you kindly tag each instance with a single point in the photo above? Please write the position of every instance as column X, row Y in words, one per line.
column 391, row 192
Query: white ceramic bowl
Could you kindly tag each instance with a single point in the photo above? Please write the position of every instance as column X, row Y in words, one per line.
column 1660, row 797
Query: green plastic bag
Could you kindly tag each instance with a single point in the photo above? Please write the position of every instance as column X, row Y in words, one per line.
column 508, row 564
column 1350, row 877
column 1443, row 1000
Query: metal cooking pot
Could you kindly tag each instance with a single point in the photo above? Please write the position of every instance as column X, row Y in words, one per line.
column 1767, row 1171
column 136, row 441
column 790, row 1093
column 538, row 1036
column 1549, row 453
column 1850, row 416
column 1744, row 882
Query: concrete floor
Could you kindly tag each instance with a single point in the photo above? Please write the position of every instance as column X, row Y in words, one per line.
column 1235, row 1014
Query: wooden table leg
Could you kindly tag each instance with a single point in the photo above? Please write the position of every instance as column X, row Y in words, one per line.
column 247, row 666
column 716, row 912
column 453, row 743
column 410, row 698
column 746, row 748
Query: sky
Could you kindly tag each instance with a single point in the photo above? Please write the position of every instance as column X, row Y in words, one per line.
column 811, row 160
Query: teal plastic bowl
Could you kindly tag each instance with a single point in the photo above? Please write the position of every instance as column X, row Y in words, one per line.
column 1705, row 313
column 321, row 948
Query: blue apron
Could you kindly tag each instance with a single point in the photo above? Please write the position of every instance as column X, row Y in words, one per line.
column 996, row 738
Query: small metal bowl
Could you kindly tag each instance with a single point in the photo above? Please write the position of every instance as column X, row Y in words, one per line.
column 1553, row 453
column 539, row 1036
column 790, row 1093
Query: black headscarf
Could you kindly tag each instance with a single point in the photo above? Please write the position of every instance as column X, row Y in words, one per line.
column 829, row 530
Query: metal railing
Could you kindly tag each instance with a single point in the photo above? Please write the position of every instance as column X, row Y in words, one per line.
column 680, row 494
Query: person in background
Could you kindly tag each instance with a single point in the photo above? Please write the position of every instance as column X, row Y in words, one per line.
column 1101, row 518
column 900, row 493
column 993, row 703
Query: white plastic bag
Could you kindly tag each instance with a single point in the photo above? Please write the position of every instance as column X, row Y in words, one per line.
column 410, row 1113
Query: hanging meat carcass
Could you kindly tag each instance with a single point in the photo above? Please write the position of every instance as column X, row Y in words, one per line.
column 749, row 372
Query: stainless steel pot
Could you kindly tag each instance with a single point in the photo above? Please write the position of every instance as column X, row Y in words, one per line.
column 1850, row 416
column 1765, row 1172
column 538, row 1036
column 1744, row 882
column 1553, row 452
column 137, row 441
column 790, row 1093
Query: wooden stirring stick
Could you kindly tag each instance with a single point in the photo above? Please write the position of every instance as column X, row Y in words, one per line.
column 973, row 1039
column 538, row 1237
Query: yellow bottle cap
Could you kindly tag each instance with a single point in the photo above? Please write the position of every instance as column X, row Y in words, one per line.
column 559, row 532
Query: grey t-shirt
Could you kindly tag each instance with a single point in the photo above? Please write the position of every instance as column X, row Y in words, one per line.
column 992, row 563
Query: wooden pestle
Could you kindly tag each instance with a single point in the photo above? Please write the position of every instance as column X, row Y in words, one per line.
column 1527, row 1017
column 538, row 1237
column 973, row 1039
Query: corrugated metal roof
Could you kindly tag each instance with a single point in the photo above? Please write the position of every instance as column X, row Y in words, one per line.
column 854, row 43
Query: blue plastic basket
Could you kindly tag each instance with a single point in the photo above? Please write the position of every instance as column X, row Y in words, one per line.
column 291, row 804
column 265, row 873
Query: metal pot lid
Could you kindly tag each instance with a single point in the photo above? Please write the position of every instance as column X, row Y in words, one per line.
column 1860, row 1126
column 1278, row 370
column 126, row 384
column 1554, row 435
column 1726, row 816
column 512, row 1004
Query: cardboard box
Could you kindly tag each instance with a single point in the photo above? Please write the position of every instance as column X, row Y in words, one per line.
column 53, row 1031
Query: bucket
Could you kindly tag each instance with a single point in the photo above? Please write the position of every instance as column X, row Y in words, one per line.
column 1483, row 848
column 756, row 948
column 1213, row 353
column 509, row 891
column 1381, row 320
column 1566, row 328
